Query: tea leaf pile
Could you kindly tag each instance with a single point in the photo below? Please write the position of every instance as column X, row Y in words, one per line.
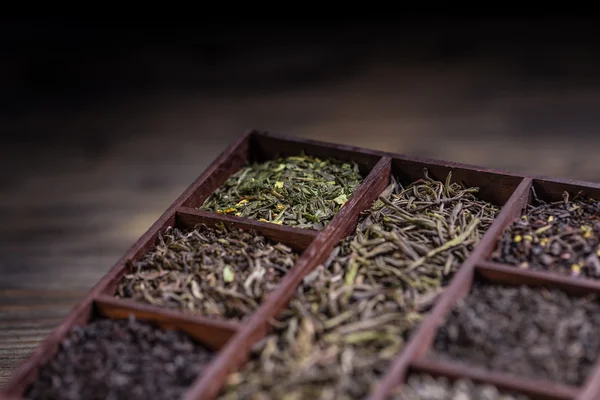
column 525, row 331
column 212, row 271
column 561, row 237
column 301, row 191
column 121, row 359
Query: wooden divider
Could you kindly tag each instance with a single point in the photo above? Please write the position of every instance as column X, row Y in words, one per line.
column 297, row 239
column 212, row 332
column 536, row 389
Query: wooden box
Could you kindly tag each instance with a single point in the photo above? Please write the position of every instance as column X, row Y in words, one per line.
column 234, row 339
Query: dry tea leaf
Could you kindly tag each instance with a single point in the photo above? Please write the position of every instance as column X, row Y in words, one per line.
column 529, row 332
column 228, row 274
column 212, row 271
column 352, row 316
column 561, row 237
column 341, row 199
column 121, row 359
column 301, row 191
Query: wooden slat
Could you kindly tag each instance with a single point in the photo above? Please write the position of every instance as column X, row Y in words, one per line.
column 213, row 332
column 265, row 145
column 551, row 189
column 511, row 275
column 493, row 186
column 537, row 389
column 296, row 238
column 280, row 139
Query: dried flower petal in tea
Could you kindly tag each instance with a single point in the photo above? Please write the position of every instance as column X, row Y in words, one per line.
column 214, row 271
column 561, row 237
column 526, row 331
column 121, row 359
column 426, row 387
column 301, row 191
column 351, row 316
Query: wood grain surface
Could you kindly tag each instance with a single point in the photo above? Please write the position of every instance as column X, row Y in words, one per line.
column 75, row 197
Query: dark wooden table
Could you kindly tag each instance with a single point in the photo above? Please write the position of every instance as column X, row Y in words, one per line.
column 72, row 205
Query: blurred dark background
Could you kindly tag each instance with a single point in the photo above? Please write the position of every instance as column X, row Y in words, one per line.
column 105, row 122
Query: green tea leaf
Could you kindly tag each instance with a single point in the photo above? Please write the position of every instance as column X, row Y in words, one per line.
column 316, row 187
column 341, row 199
column 352, row 272
column 228, row 274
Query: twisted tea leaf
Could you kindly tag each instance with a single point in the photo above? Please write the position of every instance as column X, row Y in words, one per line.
column 433, row 223
column 351, row 316
column 213, row 271
column 426, row 387
column 561, row 237
column 301, row 191
column 529, row 332
column 121, row 359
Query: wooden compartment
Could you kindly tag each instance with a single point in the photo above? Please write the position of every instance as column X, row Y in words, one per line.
column 575, row 287
column 213, row 335
column 548, row 190
column 187, row 219
column 259, row 147
column 235, row 339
